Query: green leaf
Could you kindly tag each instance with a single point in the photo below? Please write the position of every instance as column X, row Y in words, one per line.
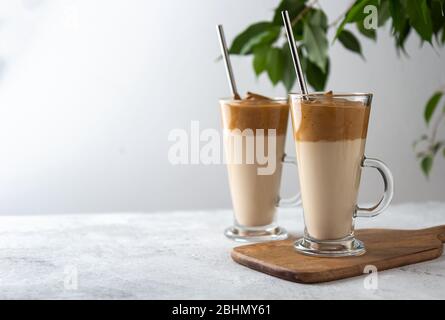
column 289, row 76
column 437, row 16
column 401, row 38
column 398, row 15
column 275, row 65
column 294, row 7
column 383, row 12
column 318, row 18
column 400, row 23
column 420, row 18
column 315, row 41
column 350, row 42
column 426, row 164
column 443, row 35
column 260, row 59
column 431, row 106
column 298, row 31
column 369, row 33
column 316, row 77
column 354, row 14
column 261, row 33
column 442, row 4
column 303, row 58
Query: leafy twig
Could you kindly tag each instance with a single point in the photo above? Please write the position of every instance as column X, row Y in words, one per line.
column 429, row 151
column 437, row 123
column 340, row 17
column 304, row 11
column 436, row 128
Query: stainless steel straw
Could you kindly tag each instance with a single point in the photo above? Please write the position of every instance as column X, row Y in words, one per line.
column 229, row 70
column 294, row 52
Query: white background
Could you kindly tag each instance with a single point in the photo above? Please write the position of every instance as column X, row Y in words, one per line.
column 90, row 89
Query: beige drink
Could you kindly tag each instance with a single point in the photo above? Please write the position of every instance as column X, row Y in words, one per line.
column 330, row 140
column 254, row 196
column 330, row 133
column 329, row 203
column 254, row 141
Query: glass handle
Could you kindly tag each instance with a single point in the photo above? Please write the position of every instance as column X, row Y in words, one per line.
column 388, row 183
column 294, row 201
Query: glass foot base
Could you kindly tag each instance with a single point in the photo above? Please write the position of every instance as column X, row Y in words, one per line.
column 251, row 235
column 335, row 248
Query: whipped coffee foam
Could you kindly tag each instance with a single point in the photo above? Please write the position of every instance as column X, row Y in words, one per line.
column 331, row 118
column 255, row 112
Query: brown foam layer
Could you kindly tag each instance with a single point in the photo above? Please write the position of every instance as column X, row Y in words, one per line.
column 255, row 112
column 329, row 118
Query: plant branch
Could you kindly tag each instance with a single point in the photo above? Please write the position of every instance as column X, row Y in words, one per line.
column 304, row 11
column 437, row 124
column 436, row 128
column 340, row 17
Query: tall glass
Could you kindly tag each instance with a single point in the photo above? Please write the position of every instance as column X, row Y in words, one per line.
column 254, row 140
column 330, row 134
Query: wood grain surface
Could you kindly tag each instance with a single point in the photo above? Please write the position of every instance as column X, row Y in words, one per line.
column 385, row 249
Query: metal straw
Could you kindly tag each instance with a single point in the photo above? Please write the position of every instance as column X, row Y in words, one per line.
column 229, row 70
column 294, row 52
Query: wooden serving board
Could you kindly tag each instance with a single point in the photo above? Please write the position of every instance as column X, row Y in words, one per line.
column 385, row 249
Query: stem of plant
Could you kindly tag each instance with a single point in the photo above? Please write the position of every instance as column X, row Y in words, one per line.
column 304, row 11
column 311, row 6
column 435, row 129
column 436, row 126
column 338, row 19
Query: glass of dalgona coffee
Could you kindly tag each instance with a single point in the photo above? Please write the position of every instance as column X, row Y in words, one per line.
column 254, row 140
column 330, row 133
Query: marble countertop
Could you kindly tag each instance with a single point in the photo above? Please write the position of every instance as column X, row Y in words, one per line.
column 181, row 255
